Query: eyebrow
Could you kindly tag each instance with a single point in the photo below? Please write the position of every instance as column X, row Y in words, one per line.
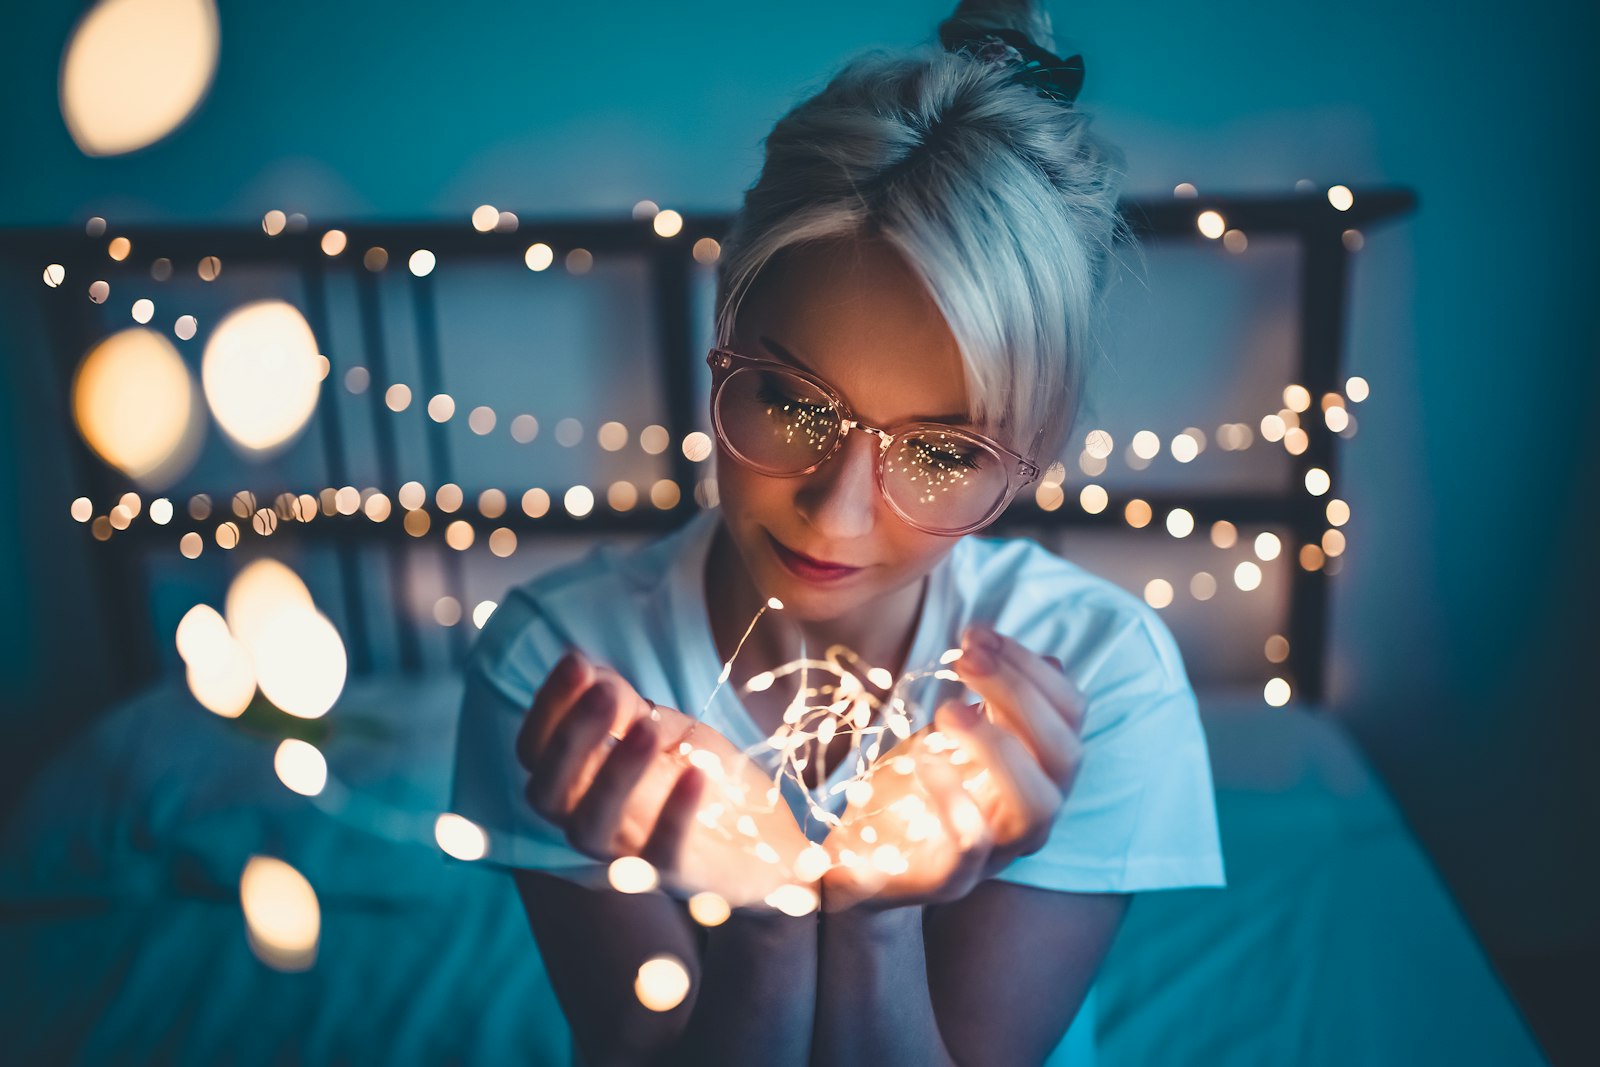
column 958, row 418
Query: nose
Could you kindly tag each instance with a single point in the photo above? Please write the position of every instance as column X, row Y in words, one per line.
column 840, row 498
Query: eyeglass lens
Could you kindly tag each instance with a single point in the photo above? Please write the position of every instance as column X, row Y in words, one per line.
column 781, row 424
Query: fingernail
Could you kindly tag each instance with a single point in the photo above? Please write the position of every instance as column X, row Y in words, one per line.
column 569, row 668
column 976, row 659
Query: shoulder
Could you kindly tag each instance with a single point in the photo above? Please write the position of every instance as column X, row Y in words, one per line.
column 1105, row 635
column 596, row 602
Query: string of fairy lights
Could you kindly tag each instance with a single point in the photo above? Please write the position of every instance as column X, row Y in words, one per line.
column 274, row 644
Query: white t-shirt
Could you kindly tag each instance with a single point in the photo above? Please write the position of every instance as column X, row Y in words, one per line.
column 1140, row 814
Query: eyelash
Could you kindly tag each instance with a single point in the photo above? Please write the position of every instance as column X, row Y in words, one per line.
column 771, row 394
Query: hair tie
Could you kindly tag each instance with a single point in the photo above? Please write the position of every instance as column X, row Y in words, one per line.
column 1044, row 72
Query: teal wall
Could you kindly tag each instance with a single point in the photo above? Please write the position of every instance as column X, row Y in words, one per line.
column 1457, row 652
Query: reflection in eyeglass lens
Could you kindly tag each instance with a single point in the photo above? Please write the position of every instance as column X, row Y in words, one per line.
column 942, row 480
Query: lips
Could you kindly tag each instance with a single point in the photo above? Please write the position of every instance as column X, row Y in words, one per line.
column 803, row 566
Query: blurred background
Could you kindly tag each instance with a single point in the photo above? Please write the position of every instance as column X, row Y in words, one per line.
column 1408, row 813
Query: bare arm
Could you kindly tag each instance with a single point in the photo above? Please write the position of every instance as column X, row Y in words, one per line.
column 1009, row 966
column 751, row 978
column 993, row 978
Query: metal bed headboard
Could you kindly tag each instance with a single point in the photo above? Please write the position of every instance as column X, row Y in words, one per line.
column 1310, row 219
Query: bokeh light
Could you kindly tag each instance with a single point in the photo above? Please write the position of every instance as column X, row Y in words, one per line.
column 301, row 766
column 135, row 405
column 282, row 918
column 134, row 70
column 460, row 837
column 661, row 983
column 261, row 374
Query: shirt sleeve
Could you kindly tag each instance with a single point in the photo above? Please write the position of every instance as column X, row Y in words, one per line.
column 512, row 657
column 1141, row 813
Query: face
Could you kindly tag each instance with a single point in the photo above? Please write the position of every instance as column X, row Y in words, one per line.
column 854, row 315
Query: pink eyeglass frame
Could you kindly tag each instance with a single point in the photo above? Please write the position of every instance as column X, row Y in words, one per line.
column 724, row 361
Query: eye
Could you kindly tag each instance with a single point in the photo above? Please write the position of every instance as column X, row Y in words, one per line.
column 774, row 391
column 944, row 457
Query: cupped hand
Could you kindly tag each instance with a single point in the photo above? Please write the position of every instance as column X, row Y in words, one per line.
column 960, row 799
column 606, row 768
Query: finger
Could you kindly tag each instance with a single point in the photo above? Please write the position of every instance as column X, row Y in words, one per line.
column 1021, row 704
column 665, row 845
column 965, row 843
column 568, row 759
column 566, row 682
column 1045, row 673
column 1009, row 784
column 592, row 828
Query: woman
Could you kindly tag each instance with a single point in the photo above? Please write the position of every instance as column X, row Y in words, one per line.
column 903, row 311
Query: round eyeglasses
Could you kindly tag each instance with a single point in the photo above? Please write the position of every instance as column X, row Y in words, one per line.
column 783, row 422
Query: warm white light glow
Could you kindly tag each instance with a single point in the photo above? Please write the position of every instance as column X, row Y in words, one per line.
column 1098, row 444
column 281, row 914
column 1146, row 445
column 481, row 613
column 422, row 262
column 334, row 242
column 134, row 70
column 661, row 983
column 1338, row 512
column 300, row 662
column 301, row 766
column 1211, row 224
column 1184, row 448
column 1158, row 592
column 1137, row 513
column 262, row 374
column 1203, row 586
column 441, row 407
column 460, row 837
column 1268, row 546
column 1357, row 389
column 654, row 439
column 397, row 397
column 485, row 217
column 794, row 900
column 631, row 874
column 136, row 406
column 667, row 223
column 1247, row 576
column 1317, row 480
column 459, row 535
column 697, row 447
column 144, row 309
column 613, row 436
column 1296, row 397
column 1341, row 198
column 1180, row 523
column 1276, row 692
column 1093, row 499
column 222, row 678
column 709, row 909
column 539, row 256
column 261, row 590
column 579, row 501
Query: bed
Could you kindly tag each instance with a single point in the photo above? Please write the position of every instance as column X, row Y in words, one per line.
column 1334, row 943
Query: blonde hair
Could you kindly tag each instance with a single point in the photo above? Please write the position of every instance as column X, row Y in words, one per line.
column 1001, row 201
